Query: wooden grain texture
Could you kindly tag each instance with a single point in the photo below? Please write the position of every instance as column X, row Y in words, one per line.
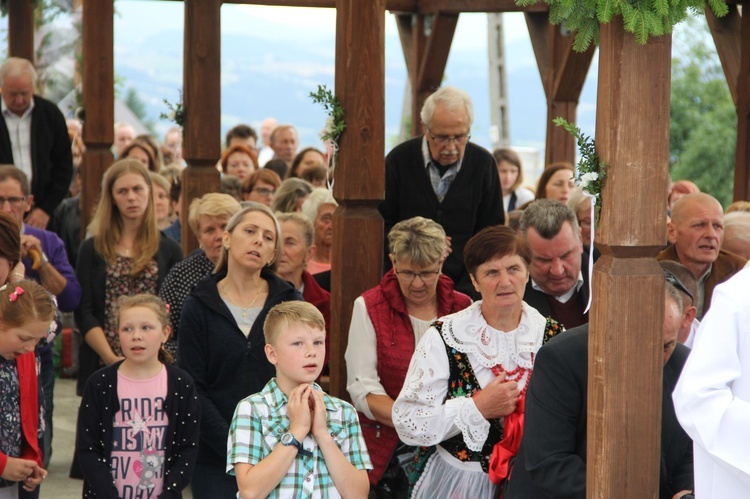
column 563, row 72
column 625, row 341
column 727, row 35
column 202, row 98
column 98, row 101
column 742, row 157
column 360, row 172
column 202, row 81
column 21, row 29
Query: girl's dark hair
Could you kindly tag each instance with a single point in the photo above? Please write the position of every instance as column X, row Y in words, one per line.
column 541, row 187
column 10, row 240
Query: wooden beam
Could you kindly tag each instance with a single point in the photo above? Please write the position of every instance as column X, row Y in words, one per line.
column 21, row 29
column 202, row 99
column 563, row 72
column 727, row 34
column 98, row 100
column 413, row 6
column 742, row 158
column 360, row 172
column 626, row 322
column 426, row 42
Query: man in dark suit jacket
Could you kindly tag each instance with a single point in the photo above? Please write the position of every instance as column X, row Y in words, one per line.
column 551, row 462
column 559, row 284
column 35, row 129
column 444, row 177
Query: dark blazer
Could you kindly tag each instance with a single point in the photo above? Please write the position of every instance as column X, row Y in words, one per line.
column 551, row 461
column 473, row 201
column 538, row 299
column 51, row 156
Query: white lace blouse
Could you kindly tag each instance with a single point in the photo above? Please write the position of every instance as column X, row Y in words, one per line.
column 421, row 414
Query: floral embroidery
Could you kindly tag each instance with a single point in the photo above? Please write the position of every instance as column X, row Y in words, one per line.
column 552, row 329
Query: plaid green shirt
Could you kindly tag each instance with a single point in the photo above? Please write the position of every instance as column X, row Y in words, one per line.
column 256, row 429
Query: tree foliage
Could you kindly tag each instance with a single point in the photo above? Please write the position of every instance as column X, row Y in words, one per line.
column 643, row 18
column 136, row 104
column 703, row 119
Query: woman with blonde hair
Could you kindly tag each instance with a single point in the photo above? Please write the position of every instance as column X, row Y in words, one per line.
column 221, row 342
column 125, row 255
column 162, row 205
column 207, row 217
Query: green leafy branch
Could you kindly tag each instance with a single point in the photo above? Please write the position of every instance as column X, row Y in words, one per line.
column 591, row 172
column 176, row 111
column 642, row 18
column 335, row 124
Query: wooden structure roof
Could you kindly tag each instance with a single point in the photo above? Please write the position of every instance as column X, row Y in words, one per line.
column 632, row 128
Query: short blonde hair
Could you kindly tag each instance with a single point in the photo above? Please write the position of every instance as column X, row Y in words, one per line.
column 284, row 315
column 419, row 240
column 213, row 204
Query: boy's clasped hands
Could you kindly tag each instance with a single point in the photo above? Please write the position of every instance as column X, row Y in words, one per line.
column 307, row 413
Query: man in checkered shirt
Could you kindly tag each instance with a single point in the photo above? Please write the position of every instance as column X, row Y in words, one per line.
column 292, row 439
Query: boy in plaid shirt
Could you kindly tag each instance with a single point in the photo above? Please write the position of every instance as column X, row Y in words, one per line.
column 292, row 439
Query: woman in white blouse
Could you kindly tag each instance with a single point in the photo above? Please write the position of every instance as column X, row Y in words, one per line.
column 469, row 373
column 387, row 322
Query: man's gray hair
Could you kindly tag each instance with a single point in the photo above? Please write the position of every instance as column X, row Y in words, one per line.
column 451, row 98
column 17, row 66
column 737, row 225
column 547, row 217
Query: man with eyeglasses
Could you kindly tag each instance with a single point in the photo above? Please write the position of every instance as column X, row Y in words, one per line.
column 444, row 177
column 34, row 137
column 54, row 272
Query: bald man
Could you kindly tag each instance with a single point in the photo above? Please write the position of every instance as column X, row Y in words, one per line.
column 696, row 233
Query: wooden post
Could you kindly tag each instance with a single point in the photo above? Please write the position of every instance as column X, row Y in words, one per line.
column 98, row 101
column 625, row 339
column 21, row 29
column 563, row 72
column 202, row 99
column 426, row 41
column 360, row 173
column 742, row 158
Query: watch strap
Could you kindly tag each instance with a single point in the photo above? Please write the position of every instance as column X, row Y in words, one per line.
column 292, row 440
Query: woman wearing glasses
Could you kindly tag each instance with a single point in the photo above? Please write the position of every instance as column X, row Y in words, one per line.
column 464, row 391
column 387, row 322
column 260, row 186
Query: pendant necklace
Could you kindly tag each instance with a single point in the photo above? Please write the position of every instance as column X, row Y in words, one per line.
column 243, row 309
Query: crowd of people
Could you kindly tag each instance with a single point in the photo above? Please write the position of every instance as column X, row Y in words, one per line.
column 466, row 364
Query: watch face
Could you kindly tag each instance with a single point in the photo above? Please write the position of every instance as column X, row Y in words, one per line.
column 287, row 438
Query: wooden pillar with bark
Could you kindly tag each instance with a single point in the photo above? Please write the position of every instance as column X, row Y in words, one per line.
column 625, row 338
column 563, row 73
column 98, row 101
column 360, row 171
column 426, row 41
column 21, row 29
column 202, row 100
column 731, row 34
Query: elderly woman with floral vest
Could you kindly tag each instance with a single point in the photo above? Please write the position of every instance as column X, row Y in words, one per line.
column 463, row 396
column 387, row 323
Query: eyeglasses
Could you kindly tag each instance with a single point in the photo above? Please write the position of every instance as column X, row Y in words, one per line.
column 14, row 201
column 409, row 276
column 262, row 191
column 444, row 140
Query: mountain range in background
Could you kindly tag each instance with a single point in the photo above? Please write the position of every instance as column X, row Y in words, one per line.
column 262, row 78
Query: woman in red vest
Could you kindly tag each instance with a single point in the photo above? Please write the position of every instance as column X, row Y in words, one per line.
column 387, row 322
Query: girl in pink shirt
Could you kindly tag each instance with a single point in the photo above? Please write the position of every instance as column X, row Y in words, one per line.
column 138, row 422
